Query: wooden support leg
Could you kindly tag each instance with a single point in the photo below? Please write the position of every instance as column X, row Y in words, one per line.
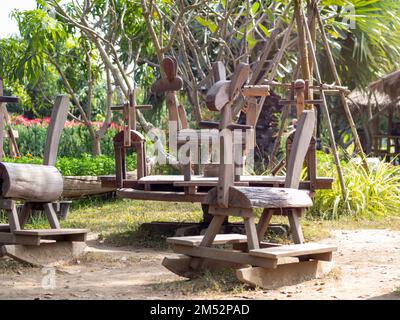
column 25, row 214
column 251, row 232
column 295, row 227
column 263, row 223
column 51, row 216
column 212, row 230
column 13, row 218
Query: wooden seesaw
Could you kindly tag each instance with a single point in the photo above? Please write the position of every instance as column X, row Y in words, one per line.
column 192, row 185
column 38, row 188
column 258, row 263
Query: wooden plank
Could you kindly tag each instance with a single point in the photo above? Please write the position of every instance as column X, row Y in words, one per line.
column 25, row 214
column 302, row 138
column 13, row 219
column 219, row 71
column 51, row 216
column 160, row 195
column 226, row 255
column 263, row 223
column 58, row 117
column 206, row 183
column 182, row 117
column 219, row 239
column 256, row 91
column 226, row 175
column 295, row 226
column 251, row 232
column 10, row 238
column 50, row 232
column 239, row 78
column 293, row 250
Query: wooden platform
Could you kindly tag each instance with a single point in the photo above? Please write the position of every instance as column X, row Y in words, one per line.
column 193, row 241
column 38, row 237
column 315, row 251
column 202, row 181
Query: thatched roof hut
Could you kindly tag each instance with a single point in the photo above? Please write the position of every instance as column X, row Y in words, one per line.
column 389, row 85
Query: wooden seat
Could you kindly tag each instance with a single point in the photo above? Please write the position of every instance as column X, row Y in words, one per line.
column 317, row 250
column 261, row 197
column 194, row 241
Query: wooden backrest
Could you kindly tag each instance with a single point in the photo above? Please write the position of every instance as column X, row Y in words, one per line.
column 57, row 122
column 301, row 142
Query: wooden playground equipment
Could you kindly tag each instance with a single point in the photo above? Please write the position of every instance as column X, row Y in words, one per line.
column 231, row 193
column 189, row 187
column 258, row 262
column 38, row 188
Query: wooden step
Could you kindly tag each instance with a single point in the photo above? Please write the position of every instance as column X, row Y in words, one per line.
column 50, row 232
column 294, row 250
column 194, row 241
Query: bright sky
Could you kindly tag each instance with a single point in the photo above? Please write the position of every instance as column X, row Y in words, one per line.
column 8, row 26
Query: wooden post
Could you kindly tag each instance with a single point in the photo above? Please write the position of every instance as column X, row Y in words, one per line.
column 342, row 96
column 57, row 122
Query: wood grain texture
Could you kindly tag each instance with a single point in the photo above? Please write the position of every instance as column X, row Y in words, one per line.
column 239, row 78
column 293, row 250
column 218, row 95
column 219, row 239
column 58, row 118
column 301, row 143
column 30, row 182
column 261, row 197
column 219, row 71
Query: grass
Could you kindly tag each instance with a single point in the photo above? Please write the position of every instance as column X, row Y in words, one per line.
column 118, row 221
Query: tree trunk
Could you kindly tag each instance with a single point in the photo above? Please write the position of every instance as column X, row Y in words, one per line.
column 96, row 147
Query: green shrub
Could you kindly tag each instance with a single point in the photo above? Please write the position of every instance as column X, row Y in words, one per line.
column 370, row 195
column 73, row 143
column 83, row 166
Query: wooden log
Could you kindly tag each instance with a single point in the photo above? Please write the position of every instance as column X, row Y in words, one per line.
column 261, row 197
column 29, row 182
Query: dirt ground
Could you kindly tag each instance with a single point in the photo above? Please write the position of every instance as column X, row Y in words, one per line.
column 367, row 266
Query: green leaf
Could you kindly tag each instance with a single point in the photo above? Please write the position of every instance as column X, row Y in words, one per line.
column 207, row 23
column 264, row 30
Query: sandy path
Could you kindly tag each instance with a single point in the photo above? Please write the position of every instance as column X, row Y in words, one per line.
column 367, row 266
